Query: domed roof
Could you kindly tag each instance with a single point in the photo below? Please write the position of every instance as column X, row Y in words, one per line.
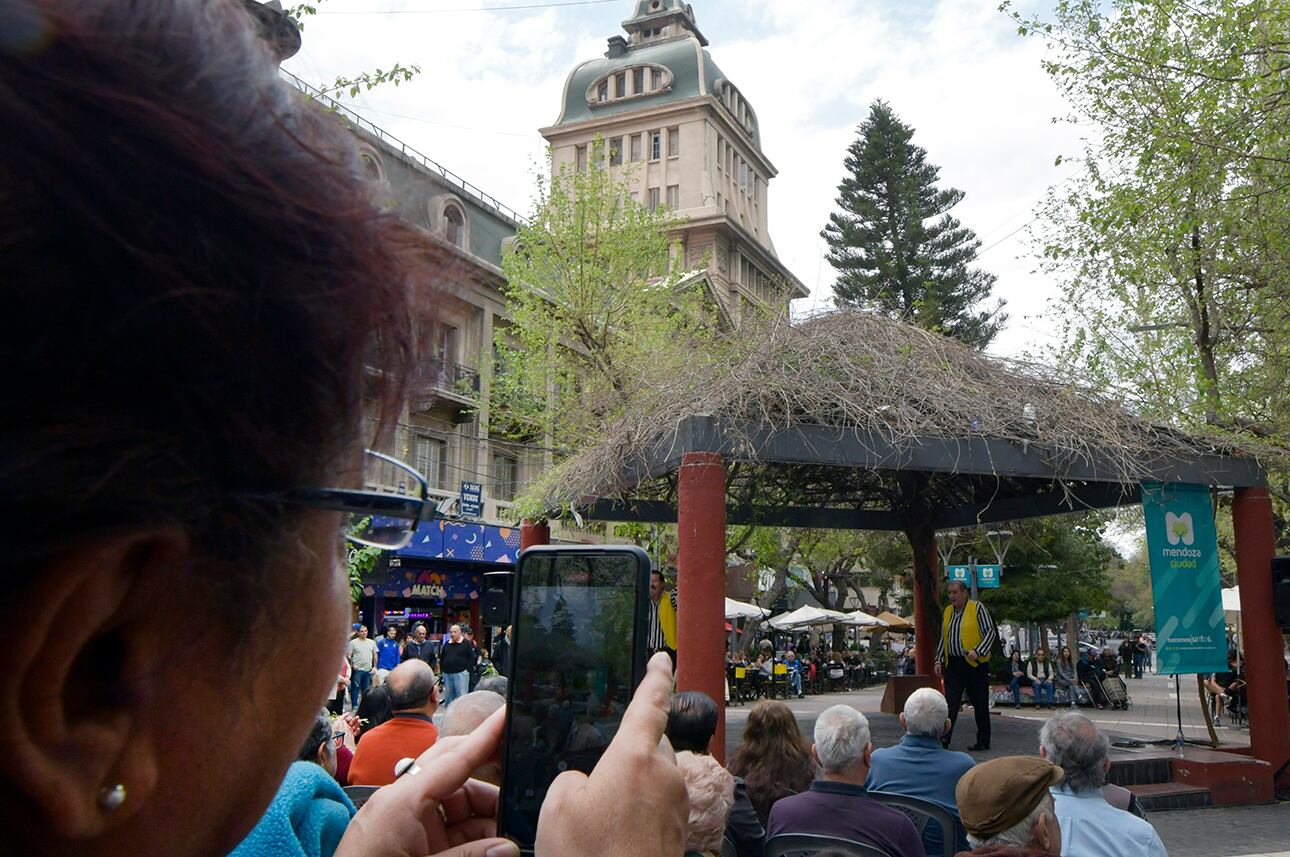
column 693, row 73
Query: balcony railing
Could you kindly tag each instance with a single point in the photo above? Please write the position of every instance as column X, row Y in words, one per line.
column 450, row 383
column 454, row 180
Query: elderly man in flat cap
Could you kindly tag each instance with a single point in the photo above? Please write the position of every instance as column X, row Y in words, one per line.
column 1007, row 810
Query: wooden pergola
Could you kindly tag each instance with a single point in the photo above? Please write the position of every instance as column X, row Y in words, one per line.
column 713, row 460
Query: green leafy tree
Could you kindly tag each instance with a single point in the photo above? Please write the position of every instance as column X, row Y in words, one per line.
column 897, row 249
column 363, row 81
column 359, row 561
column 1172, row 241
column 599, row 317
column 1055, row 567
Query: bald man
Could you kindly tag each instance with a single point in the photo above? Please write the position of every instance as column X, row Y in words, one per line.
column 467, row 713
column 407, row 734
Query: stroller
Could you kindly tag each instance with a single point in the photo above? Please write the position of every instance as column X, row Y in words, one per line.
column 1114, row 691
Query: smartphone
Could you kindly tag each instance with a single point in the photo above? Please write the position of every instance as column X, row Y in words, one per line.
column 578, row 643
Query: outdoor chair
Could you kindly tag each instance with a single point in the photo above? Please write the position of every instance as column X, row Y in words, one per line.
column 837, row 675
column 742, row 689
column 807, row 845
column 779, row 682
column 922, row 812
column 358, row 795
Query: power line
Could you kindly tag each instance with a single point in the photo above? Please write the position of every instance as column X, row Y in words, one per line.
column 515, row 8
column 368, row 109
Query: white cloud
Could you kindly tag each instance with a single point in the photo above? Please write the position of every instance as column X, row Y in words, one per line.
column 955, row 70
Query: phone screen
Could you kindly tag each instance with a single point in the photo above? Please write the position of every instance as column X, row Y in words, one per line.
column 578, row 654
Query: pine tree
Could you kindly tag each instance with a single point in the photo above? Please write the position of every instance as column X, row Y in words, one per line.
column 894, row 244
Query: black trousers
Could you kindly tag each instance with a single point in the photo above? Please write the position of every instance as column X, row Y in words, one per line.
column 961, row 676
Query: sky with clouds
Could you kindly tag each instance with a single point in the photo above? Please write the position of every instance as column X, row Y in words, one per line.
column 954, row 69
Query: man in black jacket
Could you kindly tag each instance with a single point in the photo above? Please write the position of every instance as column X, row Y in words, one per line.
column 691, row 723
column 419, row 648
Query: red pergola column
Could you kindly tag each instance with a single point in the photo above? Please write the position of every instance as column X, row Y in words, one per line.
column 1264, row 667
column 534, row 533
column 927, row 624
column 701, row 583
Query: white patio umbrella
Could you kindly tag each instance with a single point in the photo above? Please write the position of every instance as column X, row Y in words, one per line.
column 1232, row 603
column 804, row 617
column 1232, row 615
column 743, row 610
column 861, row 619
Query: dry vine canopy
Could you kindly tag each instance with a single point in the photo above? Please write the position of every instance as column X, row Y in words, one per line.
column 878, row 378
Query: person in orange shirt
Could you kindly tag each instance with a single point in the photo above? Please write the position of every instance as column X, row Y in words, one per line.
column 407, row 734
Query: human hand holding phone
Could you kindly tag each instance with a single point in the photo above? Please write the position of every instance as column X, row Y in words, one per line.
column 587, row 816
column 436, row 808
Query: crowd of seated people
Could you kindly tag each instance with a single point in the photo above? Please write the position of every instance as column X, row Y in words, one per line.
column 1055, row 802
column 768, row 673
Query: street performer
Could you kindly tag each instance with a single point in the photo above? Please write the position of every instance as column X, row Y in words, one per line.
column 963, row 659
column 661, row 629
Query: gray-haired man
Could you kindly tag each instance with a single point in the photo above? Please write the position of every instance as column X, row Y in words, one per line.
column 1091, row 827
column 837, row 804
column 919, row 766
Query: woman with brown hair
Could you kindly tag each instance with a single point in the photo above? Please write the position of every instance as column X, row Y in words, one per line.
column 206, row 299
column 774, row 759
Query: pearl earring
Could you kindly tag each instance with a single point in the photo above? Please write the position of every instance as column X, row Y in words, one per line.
column 111, row 798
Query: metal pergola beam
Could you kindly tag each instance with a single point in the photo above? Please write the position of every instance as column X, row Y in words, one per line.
column 974, row 456
column 1057, row 501
column 663, row 512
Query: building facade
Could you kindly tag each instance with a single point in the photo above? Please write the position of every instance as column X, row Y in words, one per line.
column 686, row 138
column 443, row 431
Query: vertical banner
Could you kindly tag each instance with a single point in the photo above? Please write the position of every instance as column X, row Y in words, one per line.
column 1183, row 549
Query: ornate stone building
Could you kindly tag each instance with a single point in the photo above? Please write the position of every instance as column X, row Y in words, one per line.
column 690, row 140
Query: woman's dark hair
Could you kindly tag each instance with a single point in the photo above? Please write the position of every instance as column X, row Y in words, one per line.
column 202, row 289
column 691, row 721
column 319, row 735
column 373, row 710
column 774, row 758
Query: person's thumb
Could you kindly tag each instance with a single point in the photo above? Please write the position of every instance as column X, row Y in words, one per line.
column 483, row 848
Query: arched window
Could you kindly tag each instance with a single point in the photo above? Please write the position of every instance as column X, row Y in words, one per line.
column 454, row 225
column 373, row 169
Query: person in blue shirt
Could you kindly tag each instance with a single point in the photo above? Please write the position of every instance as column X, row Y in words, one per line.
column 1090, row 826
column 920, row 767
column 794, row 672
column 388, row 652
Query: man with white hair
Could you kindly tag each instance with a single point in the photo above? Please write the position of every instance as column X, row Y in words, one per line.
column 837, row 804
column 1091, row 827
column 919, row 766
column 1007, row 809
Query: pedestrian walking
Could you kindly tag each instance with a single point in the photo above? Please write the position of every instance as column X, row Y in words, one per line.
column 388, row 653
column 361, row 654
column 455, row 659
column 420, row 648
column 963, row 658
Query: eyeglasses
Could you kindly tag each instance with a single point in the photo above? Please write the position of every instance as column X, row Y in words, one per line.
column 384, row 516
column 339, row 738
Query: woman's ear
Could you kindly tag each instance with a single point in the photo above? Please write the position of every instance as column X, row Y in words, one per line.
column 81, row 681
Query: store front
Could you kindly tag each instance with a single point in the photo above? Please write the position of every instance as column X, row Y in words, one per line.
column 438, row 579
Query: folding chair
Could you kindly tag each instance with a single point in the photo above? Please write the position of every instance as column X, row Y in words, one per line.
column 922, row 812
column 779, row 681
column 806, row 845
column 358, row 795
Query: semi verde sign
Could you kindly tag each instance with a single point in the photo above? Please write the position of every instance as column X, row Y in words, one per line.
column 1183, row 549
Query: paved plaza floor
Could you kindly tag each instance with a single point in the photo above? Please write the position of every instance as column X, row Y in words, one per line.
column 1253, row 831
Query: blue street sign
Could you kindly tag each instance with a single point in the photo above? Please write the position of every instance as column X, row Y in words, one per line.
column 987, row 576
column 472, row 499
column 961, row 573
